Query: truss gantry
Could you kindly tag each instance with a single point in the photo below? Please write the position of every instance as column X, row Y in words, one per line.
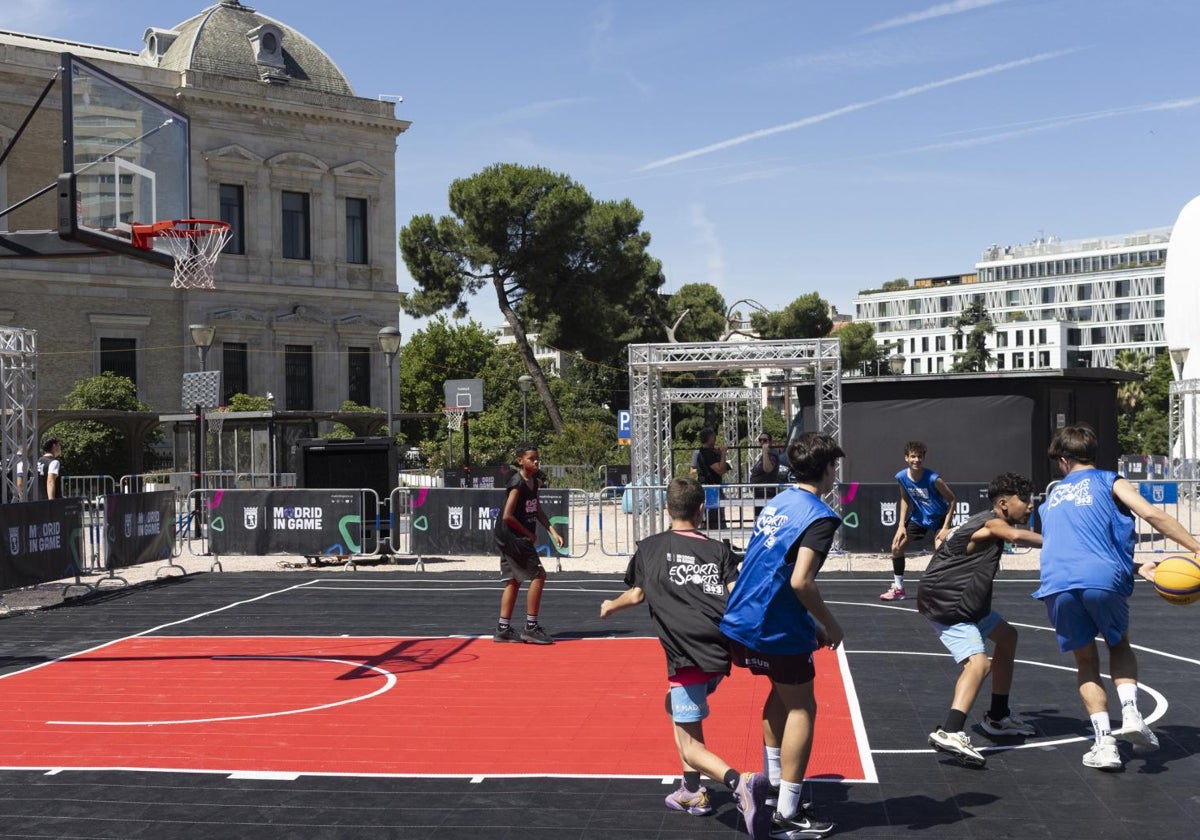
column 18, row 409
column 650, row 402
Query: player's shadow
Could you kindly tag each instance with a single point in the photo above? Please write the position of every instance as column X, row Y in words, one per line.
column 1175, row 743
column 914, row 813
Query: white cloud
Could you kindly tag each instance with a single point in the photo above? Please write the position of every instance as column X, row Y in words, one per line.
column 856, row 106
column 709, row 246
column 941, row 10
column 534, row 110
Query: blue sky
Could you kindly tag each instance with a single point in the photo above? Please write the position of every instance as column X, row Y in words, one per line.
column 776, row 148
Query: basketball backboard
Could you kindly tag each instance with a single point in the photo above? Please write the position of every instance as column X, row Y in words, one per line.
column 125, row 160
column 466, row 394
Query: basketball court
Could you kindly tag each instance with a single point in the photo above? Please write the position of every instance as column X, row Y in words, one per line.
column 347, row 704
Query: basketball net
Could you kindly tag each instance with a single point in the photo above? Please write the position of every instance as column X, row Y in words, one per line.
column 195, row 244
column 216, row 422
column 454, row 418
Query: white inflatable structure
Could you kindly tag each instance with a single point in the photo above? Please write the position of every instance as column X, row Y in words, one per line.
column 1182, row 328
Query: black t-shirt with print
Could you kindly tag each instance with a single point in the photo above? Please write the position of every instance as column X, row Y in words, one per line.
column 526, row 511
column 684, row 575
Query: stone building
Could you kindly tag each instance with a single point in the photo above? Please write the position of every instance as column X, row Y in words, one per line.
column 283, row 149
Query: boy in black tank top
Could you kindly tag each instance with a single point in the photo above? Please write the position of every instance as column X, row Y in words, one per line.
column 516, row 535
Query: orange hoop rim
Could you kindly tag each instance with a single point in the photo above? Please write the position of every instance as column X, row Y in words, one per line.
column 143, row 235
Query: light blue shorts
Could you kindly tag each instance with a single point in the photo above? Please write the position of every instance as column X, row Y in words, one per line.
column 966, row 639
column 1080, row 615
column 689, row 703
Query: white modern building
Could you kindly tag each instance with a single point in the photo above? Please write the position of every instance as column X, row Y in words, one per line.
column 1055, row 305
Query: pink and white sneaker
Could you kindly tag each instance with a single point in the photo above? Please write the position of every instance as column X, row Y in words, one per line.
column 896, row 593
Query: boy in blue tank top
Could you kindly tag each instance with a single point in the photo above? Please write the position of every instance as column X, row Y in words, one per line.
column 1086, row 580
column 776, row 619
column 926, row 506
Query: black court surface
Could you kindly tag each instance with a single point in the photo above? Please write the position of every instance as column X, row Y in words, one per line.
column 247, row 748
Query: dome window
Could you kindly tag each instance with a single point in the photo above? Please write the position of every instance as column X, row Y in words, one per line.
column 267, row 42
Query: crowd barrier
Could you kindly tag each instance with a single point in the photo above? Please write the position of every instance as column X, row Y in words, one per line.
column 98, row 530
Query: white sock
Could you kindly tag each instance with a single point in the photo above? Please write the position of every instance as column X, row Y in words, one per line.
column 789, row 798
column 1127, row 693
column 771, row 765
column 1101, row 725
column 899, row 581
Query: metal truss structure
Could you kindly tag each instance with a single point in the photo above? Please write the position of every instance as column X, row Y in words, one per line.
column 18, row 409
column 650, row 401
column 732, row 402
column 1182, row 428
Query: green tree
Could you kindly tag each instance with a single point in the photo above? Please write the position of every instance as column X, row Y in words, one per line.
column 248, row 402
column 1143, row 430
column 558, row 261
column 696, row 313
column 976, row 358
column 859, row 347
column 805, row 317
column 442, row 350
column 895, row 285
column 90, row 447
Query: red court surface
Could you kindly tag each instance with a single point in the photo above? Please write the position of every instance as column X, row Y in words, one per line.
column 389, row 706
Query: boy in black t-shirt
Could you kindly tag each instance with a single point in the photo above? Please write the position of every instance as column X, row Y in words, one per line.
column 955, row 595
column 516, row 534
column 684, row 577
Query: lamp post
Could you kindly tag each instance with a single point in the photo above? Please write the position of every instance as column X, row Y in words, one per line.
column 1179, row 357
column 524, row 382
column 389, row 343
column 202, row 337
column 896, row 363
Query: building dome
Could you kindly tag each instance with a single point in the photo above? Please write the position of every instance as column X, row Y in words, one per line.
column 229, row 39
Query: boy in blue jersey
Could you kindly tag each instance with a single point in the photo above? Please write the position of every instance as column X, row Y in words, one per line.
column 775, row 619
column 926, row 505
column 1087, row 577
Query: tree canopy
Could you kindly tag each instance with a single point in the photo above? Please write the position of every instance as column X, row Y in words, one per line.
column 574, row 269
column 805, row 317
column 90, row 447
column 976, row 357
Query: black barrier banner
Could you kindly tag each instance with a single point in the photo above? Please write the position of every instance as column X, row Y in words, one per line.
column 870, row 514
column 481, row 477
column 43, row 541
column 455, row 522
column 286, row 521
column 140, row 527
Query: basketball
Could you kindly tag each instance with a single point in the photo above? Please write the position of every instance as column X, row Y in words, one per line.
column 1177, row 579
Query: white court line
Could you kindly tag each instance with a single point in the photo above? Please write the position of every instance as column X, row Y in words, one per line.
column 147, row 632
column 389, row 681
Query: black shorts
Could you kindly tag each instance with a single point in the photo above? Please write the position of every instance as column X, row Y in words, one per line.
column 915, row 532
column 785, row 668
column 519, row 558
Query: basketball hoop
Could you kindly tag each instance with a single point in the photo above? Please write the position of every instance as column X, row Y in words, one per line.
column 454, row 418
column 216, row 421
column 194, row 243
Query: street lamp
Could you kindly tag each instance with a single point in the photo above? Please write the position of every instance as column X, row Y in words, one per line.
column 524, row 382
column 202, row 337
column 896, row 363
column 389, row 343
column 1179, row 357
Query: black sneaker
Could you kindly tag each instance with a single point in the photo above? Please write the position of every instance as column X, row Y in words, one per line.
column 507, row 634
column 535, row 635
column 800, row 827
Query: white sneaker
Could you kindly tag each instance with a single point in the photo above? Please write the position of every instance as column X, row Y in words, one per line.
column 1008, row 725
column 1103, row 755
column 957, row 744
column 1136, row 732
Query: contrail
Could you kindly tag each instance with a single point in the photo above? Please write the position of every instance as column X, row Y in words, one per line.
column 941, row 10
column 856, row 106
